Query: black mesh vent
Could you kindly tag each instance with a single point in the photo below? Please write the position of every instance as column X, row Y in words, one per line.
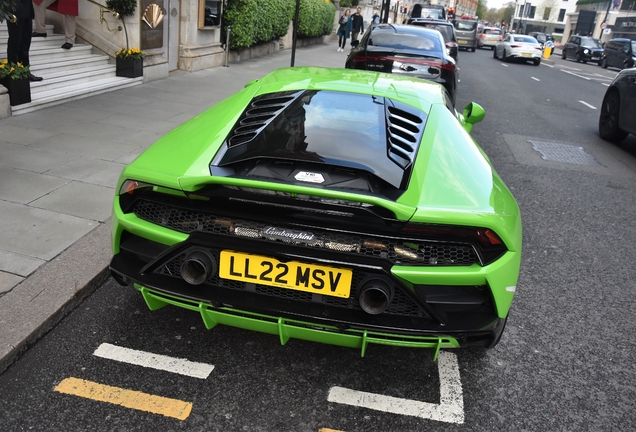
column 401, row 252
column 404, row 133
column 401, row 304
column 260, row 113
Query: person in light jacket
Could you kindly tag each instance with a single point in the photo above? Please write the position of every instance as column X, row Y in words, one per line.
column 68, row 8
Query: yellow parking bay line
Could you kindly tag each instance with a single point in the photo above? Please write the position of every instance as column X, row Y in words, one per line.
column 126, row 398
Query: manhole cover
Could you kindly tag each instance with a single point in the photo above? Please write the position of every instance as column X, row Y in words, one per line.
column 563, row 153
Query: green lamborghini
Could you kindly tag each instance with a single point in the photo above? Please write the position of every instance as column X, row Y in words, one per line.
column 340, row 206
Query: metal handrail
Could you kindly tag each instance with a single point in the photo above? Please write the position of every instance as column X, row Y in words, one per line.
column 102, row 10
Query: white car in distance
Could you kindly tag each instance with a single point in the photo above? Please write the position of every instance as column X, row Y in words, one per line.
column 516, row 46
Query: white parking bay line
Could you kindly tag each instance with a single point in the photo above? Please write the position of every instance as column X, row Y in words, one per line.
column 576, row 75
column 536, row 79
column 449, row 410
column 154, row 361
column 588, row 105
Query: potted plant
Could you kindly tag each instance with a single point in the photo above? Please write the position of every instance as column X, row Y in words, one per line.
column 130, row 62
column 15, row 77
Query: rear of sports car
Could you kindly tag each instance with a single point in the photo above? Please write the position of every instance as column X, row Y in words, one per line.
column 337, row 206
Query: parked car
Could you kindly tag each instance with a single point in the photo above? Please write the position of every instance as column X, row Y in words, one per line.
column 620, row 53
column 466, row 33
column 489, row 37
column 582, row 49
column 426, row 10
column 446, row 29
column 618, row 111
column 542, row 38
column 517, row 46
column 339, row 206
column 409, row 50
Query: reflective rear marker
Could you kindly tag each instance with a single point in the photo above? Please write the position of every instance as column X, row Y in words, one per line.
column 126, row 398
column 154, row 361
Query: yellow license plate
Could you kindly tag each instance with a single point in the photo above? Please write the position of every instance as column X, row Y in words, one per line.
column 318, row 279
column 462, row 41
column 526, row 54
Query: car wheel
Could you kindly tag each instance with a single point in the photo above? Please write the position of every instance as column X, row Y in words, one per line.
column 537, row 62
column 563, row 56
column 603, row 63
column 608, row 121
column 472, row 49
column 494, row 53
column 577, row 57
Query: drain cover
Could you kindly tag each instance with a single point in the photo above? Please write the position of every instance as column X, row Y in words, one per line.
column 563, row 153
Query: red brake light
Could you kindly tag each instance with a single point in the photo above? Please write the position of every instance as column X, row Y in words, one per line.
column 515, row 46
column 483, row 35
column 451, row 44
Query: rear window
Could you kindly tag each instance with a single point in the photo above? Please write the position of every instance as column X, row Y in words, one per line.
column 527, row 39
column 492, row 31
column 432, row 13
column 444, row 29
column 465, row 25
column 387, row 39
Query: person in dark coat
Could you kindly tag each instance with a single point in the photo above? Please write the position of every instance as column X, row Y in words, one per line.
column 357, row 25
column 19, row 41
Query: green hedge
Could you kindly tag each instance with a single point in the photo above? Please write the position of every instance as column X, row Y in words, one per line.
column 256, row 21
column 316, row 18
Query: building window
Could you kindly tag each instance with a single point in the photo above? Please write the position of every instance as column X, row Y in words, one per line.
column 533, row 9
column 561, row 15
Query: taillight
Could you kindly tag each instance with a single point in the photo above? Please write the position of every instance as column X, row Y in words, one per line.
column 483, row 35
column 515, row 46
column 413, row 60
column 488, row 244
column 500, row 38
column 451, row 44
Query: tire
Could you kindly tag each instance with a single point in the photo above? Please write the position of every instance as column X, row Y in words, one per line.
column 577, row 57
column 472, row 49
column 494, row 54
column 563, row 56
column 608, row 127
column 537, row 62
column 603, row 63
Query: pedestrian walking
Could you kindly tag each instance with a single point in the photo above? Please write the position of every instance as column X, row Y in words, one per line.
column 19, row 42
column 357, row 25
column 68, row 8
column 344, row 29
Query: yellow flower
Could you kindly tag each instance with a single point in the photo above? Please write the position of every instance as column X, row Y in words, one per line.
column 20, row 64
column 4, row 61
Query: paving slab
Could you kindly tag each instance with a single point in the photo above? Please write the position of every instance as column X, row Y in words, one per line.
column 95, row 203
column 32, row 159
column 21, row 265
column 20, row 186
column 89, row 170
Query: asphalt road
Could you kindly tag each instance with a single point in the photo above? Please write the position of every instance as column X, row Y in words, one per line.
column 565, row 362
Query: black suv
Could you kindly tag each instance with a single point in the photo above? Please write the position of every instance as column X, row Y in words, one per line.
column 445, row 28
column 620, row 53
column 582, row 49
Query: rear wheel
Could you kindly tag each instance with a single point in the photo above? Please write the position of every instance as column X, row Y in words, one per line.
column 472, row 49
column 603, row 63
column 563, row 56
column 494, row 53
column 608, row 127
column 537, row 62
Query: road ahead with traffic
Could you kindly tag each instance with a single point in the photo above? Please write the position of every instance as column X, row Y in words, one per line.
column 565, row 361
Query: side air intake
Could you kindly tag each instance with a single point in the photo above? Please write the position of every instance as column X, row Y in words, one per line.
column 404, row 132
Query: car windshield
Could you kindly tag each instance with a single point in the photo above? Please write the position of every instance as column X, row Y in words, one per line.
column 540, row 37
column 492, row 31
column 465, row 25
column 444, row 29
column 387, row 39
column 634, row 48
column 526, row 39
column 589, row 43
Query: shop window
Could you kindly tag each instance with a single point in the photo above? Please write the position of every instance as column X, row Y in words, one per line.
column 210, row 13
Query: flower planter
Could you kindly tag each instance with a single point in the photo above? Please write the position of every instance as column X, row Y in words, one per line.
column 130, row 68
column 19, row 90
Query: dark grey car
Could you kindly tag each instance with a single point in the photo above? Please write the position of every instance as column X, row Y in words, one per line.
column 620, row 53
column 618, row 112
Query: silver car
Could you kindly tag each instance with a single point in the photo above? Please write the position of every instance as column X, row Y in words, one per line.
column 488, row 37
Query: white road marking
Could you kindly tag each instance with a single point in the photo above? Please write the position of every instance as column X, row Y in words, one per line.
column 504, row 65
column 154, row 361
column 550, row 66
column 577, row 75
column 588, row 105
column 449, row 410
column 605, row 84
column 536, row 79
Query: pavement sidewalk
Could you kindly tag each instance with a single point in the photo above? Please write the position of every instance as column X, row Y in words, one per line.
column 58, row 169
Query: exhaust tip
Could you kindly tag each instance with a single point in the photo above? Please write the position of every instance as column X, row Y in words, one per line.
column 375, row 296
column 197, row 267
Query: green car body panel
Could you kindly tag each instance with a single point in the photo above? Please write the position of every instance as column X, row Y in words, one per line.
column 452, row 183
